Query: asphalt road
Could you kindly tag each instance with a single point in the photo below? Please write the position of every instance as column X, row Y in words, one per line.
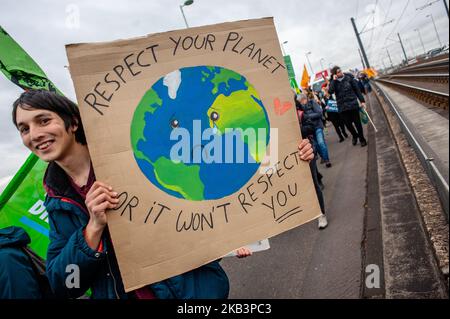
column 307, row 262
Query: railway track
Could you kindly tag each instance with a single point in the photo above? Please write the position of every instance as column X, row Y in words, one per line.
column 426, row 82
column 441, row 78
column 436, row 100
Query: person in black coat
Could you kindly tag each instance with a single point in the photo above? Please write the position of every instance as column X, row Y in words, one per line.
column 346, row 89
column 332, row 115
column 364, row 83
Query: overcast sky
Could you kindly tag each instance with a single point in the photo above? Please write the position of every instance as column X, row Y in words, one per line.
column 322, row 27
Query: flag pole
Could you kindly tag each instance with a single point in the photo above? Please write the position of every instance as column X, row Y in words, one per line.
column 370, row 120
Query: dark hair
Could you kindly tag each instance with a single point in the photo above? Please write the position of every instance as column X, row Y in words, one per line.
column 334, row 70
column 46, row 100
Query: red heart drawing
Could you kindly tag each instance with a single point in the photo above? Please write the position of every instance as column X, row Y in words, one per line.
column 280, row 108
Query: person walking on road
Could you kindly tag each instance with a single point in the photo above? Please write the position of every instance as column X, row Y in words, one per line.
column 308, row 130
column 345, row 87
column 313, row 113
column 332, row 115
column 364, row 83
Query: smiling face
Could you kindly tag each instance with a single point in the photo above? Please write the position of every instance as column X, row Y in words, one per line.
column 44, row 133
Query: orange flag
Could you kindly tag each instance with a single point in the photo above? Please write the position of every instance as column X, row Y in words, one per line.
column 371, row 72
column 305, row 78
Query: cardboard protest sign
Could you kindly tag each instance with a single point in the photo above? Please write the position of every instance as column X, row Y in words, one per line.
column 197, row 131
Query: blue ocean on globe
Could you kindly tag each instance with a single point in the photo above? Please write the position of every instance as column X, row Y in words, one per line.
column 209, row 97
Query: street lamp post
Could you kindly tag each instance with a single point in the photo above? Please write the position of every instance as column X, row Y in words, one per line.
column 446, row 7
column 186, row 3
column 421, row 41
column 411, row 47
column 384, row 65
column 309, row 62
column 403, row 48
column 362, row 59
column 435, row 29
column 390, row 59
column 389, row 56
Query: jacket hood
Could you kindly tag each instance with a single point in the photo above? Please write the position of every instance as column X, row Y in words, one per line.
column 349, row 75
column 13, row 236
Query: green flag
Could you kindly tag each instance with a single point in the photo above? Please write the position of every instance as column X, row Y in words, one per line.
column 22, row 201
column 19, row 67
column 289, row 66
column 291, row 73
column 25, row 207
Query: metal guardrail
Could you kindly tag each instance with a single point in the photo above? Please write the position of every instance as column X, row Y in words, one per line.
column 431, row 169
column 430, row 67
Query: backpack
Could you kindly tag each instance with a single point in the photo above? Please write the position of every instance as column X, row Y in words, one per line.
column 38, row 265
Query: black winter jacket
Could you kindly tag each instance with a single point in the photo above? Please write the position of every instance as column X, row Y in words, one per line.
column 347, row 93
column 313, row 111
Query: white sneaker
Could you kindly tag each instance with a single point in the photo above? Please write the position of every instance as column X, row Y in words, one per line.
column 323, row 223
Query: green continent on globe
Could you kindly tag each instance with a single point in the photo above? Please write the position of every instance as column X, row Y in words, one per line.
column 251, row 116
column 180, row 178
column 224, row 76
column 149, row 103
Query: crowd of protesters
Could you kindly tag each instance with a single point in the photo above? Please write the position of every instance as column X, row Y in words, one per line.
column 340, row 101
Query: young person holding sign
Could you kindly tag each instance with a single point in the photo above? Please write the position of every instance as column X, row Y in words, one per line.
column 81, row 255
